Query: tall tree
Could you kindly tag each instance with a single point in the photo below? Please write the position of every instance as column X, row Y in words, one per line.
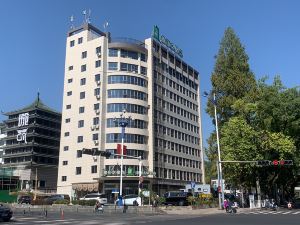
column 231, row 79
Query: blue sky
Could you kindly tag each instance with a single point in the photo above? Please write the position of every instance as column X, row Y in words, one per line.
column 33, row 36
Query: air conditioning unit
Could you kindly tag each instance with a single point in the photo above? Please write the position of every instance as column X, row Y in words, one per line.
column 97, row 127
column 92, row 127
column 98, row 82
column 98, row 97
column 99, row 54
column 97, row 111
column 96, row 142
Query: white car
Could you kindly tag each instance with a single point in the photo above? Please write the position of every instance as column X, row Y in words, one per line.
column 96, row 196
column 131, row 200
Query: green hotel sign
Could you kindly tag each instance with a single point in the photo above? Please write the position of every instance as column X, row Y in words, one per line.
column 162, row 39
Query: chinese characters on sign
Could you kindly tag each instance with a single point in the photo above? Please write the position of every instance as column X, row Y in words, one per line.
column 23, row 121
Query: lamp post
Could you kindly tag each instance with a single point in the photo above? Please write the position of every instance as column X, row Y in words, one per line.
column 123, row 122
column 219, row 165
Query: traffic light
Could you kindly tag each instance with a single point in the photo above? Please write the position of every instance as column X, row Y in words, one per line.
column 105, row 153
column 263, row 163
column 95, row 152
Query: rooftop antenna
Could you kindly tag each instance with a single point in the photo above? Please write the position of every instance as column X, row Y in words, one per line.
column 72, row 20
column 105, row 25
column 87, row 16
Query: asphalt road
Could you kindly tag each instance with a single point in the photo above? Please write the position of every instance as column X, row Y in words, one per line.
column 283, row 217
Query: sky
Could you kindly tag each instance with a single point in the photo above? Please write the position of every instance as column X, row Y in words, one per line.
column 33, row 40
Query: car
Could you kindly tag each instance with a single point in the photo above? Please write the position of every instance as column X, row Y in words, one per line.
column 177, row 198
column 5, row 213
column 24, row 199
column 132, row 199
column 51, row 199
column 96, row 196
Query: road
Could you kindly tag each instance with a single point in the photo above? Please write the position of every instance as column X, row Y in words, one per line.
column 281, row 217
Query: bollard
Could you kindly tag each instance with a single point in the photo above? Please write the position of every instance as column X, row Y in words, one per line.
column 45, row 213
column 24, row 211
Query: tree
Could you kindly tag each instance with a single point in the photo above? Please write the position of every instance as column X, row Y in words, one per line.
column 231, row 79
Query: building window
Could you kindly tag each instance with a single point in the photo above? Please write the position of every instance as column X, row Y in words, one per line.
column 82, row 81
column 129, row 67
column 113, row 66
column 112, row 52
column 83, row 68
column 68, row 120
column 65, row 163
column 79, row 139
column 80, row 123
column 72, row 43
column 84, row 54
column 67, row 134
column 66, row 148
column 129, row 54
column 97, row 91
column 69, row 93
column 143, row 70
column 64, row 178
column 143, row 57
column 68, row 106
column 98, row 50
column 124, row 79
column 95, row 120
column 78, row 170
column 80, row 40
column 70, row 80
column 81, row 109
column 97, row 77
column 95, row 137
column 82, row 95
column 70, row 67
column 96, row 106
column 98, row 63
column 94, row 169
column 79, row 154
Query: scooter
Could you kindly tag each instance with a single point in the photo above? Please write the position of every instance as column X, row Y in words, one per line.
column 289, row 205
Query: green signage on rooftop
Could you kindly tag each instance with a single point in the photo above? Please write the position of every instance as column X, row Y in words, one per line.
column 162, row 39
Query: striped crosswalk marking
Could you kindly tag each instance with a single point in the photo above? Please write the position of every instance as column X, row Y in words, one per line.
column 296, row 213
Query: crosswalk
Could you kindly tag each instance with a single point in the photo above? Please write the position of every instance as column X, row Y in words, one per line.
column 268, row 212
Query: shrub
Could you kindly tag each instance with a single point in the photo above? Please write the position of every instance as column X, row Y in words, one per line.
column 64, row 201
column 84, row 202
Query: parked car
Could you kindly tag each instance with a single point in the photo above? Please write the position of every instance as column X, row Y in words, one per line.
column 132, row 199
column 5, row 213
column 177, row 198
column 96, row 196
column 51, row 199
column 24, row 199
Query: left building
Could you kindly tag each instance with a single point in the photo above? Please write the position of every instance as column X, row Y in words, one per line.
column 30, row 153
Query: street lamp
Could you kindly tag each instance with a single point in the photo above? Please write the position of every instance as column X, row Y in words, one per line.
column 219, row 164
column 123, row 122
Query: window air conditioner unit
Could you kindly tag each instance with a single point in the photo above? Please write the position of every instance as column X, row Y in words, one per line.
column 96, row 142
column 92, row 128
column 97, row 126
column 97, row 111
column 99, row 54
column 98, row 97
column 98, row 82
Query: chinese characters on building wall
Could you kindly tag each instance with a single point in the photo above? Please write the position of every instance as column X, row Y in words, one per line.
column 23, row 121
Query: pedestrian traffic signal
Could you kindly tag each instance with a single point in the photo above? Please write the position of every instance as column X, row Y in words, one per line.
column 263, row 163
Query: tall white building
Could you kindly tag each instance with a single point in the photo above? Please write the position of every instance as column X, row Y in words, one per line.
column 2, row 142
column 148, row 79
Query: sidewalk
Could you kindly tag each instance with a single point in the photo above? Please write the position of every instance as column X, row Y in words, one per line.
column 187, row 210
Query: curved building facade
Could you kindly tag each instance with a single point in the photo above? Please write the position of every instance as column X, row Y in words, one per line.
column 105, row 76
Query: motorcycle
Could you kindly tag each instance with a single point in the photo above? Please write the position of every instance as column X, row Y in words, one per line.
column 289, row 205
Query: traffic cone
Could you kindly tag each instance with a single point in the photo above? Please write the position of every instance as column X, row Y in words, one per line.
column 62, row 216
